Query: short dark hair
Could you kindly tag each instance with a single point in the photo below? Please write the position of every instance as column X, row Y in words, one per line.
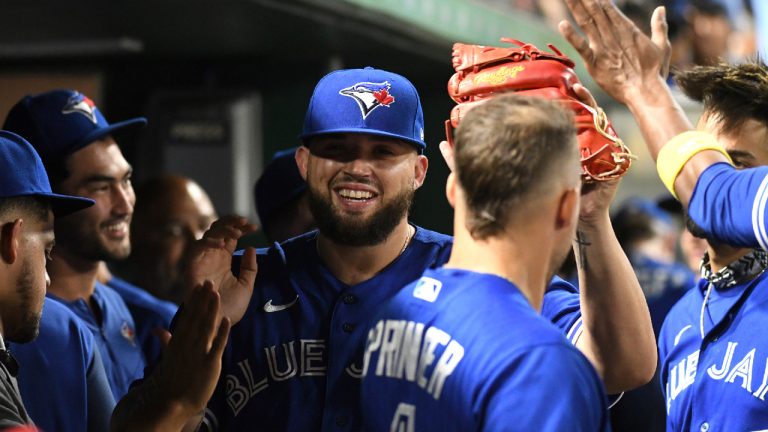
column 29, row 205
column 505, row 149
column 734, row 93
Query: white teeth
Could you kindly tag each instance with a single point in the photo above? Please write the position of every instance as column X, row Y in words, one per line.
column 355, row 194
column 116, row 227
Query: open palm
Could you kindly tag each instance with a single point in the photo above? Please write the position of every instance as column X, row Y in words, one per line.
column 211, row 260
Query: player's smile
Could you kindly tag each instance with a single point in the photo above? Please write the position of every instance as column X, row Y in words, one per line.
column 115, row 230
column 355, row 197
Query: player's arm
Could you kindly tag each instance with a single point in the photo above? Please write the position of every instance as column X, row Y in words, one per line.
column 179, row 388
column 617, row 335
column 631, row 68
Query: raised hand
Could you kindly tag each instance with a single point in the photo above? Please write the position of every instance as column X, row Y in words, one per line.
column 191, row 363
column 179, row 388
column 620, row 58
column 211, row 259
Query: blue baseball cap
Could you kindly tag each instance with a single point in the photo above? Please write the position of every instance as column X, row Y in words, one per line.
column 369, row 101
column 279, row 184
column 22, row 174
column 60, row 122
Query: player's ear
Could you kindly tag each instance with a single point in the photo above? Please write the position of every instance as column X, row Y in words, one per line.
column 10, row 241
column 450, row 189
column 567, row 212
column 420, row 170
column 302, row 156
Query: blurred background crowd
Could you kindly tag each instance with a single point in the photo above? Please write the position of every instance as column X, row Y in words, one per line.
column 224, row 86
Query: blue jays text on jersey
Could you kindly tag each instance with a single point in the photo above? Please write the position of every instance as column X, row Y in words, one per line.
column 294, row 361
column 115, row 336
column 719, row 381
column 460, row 350
column 729, row 205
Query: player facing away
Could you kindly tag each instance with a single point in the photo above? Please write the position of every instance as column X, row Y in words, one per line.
column 464, row 347
column 294, row 357
column 714, row 357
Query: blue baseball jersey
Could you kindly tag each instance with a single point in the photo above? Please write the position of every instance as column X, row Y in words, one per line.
column 60, row 374
column 717, row 382
column 663, row 285
column 114, row 332
column 294, row 361
column 730, row 205
column 460, row 350
column 148, row 312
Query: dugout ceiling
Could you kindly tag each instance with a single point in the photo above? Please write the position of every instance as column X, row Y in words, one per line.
column 280, row 30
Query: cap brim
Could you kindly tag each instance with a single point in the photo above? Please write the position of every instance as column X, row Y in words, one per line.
column 123, row 126
column 63, row 205
column 420, row 144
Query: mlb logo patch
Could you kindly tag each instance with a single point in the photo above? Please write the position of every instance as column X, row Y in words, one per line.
column 427, row 289
column 81, row 104
column 369, row 96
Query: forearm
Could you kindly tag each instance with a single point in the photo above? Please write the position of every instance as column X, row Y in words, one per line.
column 618, row 336
column 657, row 114
column 145, row 408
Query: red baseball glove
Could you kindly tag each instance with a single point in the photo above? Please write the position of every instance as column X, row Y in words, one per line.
column 483, row 71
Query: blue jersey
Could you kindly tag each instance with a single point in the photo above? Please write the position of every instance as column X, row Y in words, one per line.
column 149, row 313
column 61, row 378
column 718, row 382
column 114, row 332
column 294, row 361
column 663, row 285
column 730, row 205
column 460, row 350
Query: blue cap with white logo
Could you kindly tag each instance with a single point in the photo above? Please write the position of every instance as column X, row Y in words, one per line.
column 369, row 101
column 60, row 122
column 22, row 174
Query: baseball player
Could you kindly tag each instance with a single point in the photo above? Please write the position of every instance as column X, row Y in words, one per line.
column 76, row 145
column 74, row 395
column 281, row 199
column 463, row 347
column 294, row 359
column 171, row 213
column 27, row 210
column 713, row 362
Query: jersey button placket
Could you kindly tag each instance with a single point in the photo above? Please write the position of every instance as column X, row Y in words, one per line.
column 704, row 427
column 349, row 299
column 348, row 327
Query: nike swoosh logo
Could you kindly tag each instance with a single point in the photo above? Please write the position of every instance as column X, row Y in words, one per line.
column 269, row 307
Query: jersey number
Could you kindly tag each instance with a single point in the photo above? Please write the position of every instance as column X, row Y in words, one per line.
column 404, row 419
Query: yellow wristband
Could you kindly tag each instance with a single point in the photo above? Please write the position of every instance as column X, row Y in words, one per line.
column 679, row 150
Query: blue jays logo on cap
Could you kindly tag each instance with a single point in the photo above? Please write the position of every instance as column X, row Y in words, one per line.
column 331, row 110
column 60, row 122
column 79, row 103
column 369, row 96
